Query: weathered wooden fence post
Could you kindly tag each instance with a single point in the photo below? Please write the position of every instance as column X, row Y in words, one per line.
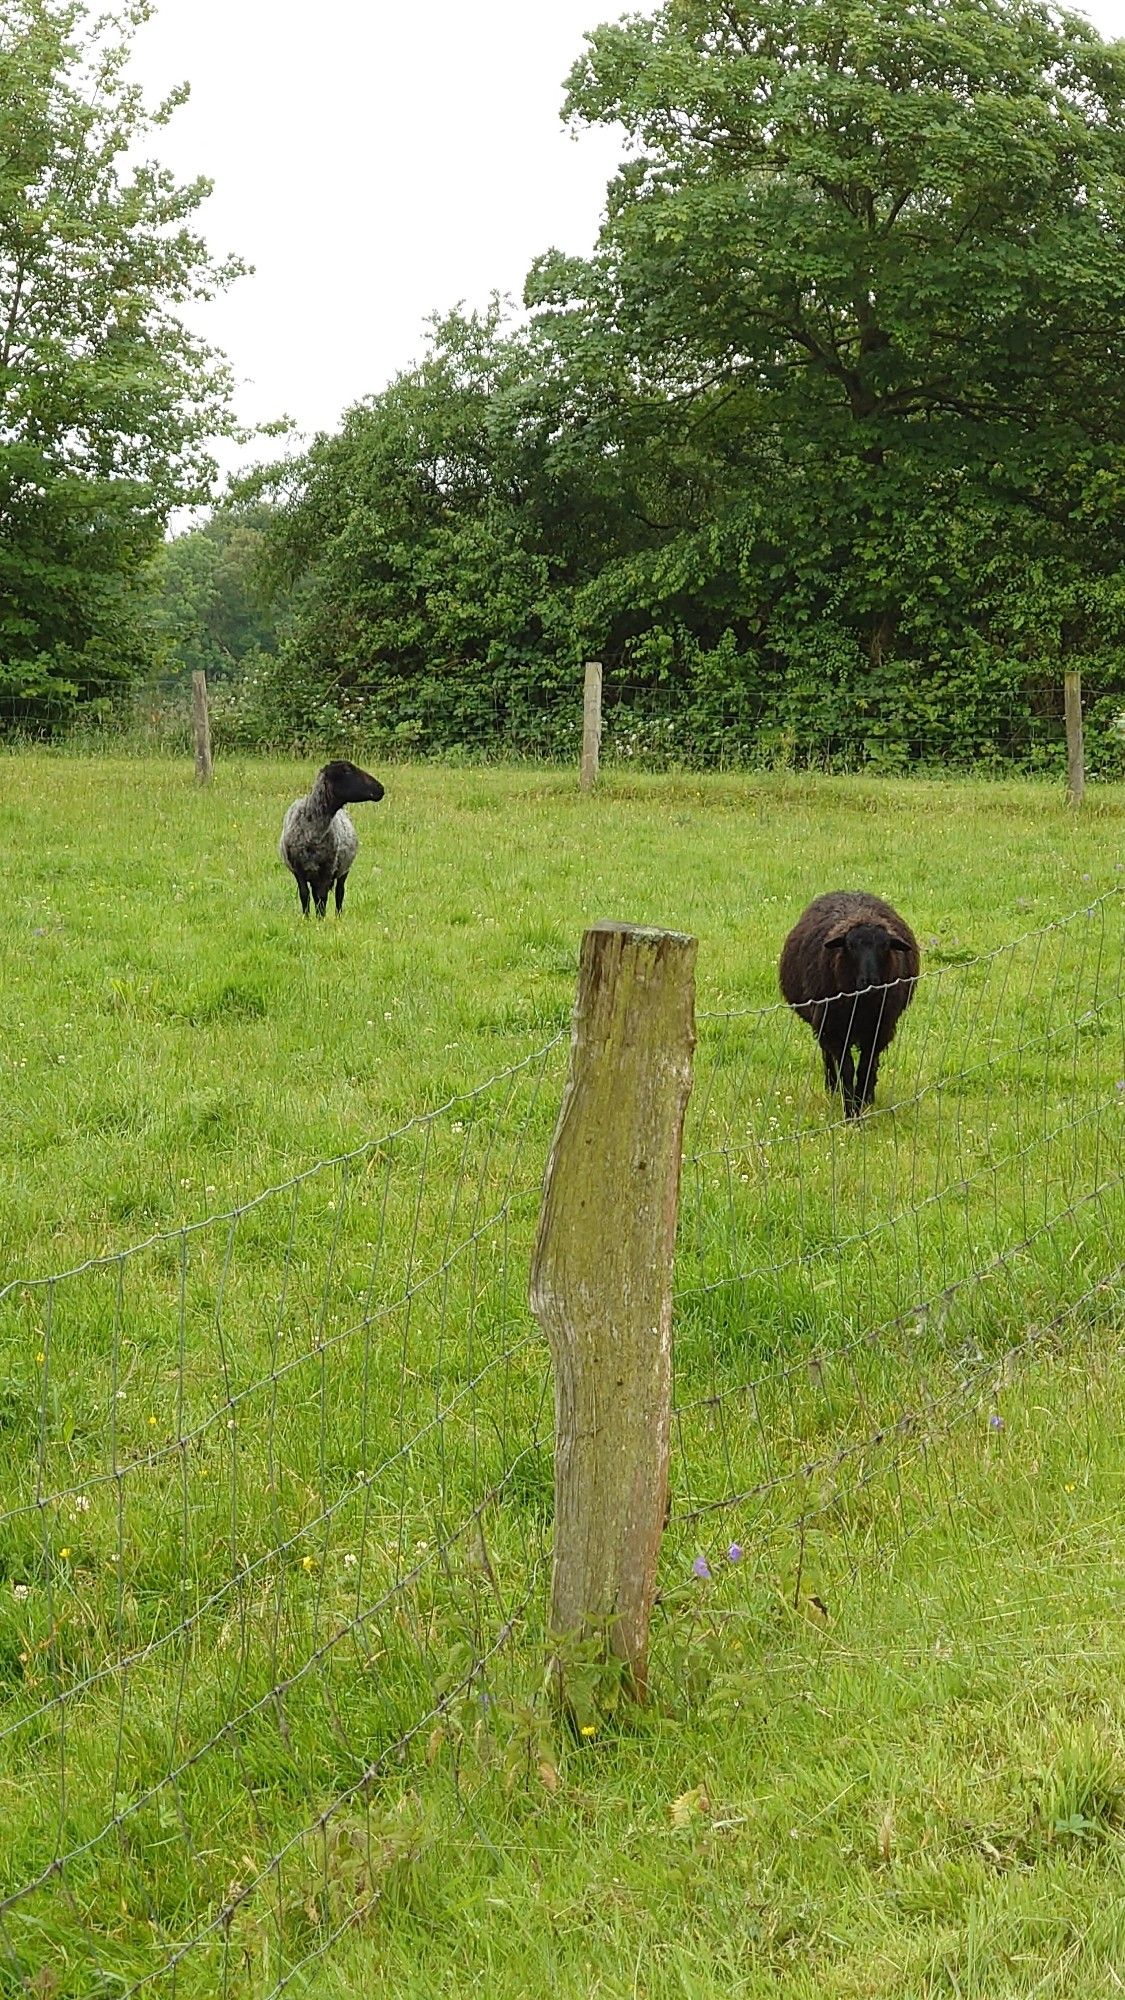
column 591, row 725
column 601, row 1283
column 1075, row 755
column 201, row 725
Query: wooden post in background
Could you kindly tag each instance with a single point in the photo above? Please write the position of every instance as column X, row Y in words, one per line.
column 601, row 1284
column 1075, row 755
column 591, row 725
column 201, row 725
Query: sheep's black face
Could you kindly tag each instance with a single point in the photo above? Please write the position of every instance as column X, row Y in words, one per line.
column 868, row 956
column 350, row 786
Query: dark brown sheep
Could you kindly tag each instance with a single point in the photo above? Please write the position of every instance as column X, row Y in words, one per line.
column 848, row 968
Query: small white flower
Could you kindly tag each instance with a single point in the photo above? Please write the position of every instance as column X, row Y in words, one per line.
column 81, row 1503
column 20, row 1591
column 350, row 1562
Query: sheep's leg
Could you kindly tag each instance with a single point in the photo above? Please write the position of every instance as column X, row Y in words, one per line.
column 831, row 1070
column 868, row 1077
column 847, row 1079
column 303, row 892
column 321, row 902
column 340, row 880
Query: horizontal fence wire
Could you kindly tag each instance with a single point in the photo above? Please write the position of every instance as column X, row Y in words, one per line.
column 276, row 1531
column 280, row 1505
column 841, row 1280
column 745, row 721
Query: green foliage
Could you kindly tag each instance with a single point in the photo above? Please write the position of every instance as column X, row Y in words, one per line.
column 207, row 610
column 107, row 402
column 822, row 447
column 419, row 598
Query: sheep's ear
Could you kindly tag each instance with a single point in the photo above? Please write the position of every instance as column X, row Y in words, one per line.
column 836, row 938
column 897, row 939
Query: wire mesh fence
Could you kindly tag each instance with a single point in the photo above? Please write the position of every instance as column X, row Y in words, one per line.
column 277, row 1517
column 1016, row 725
column 890, row 1260
column 259, row 1537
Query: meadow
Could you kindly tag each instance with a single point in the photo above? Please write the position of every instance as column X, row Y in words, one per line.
column 275, row 1524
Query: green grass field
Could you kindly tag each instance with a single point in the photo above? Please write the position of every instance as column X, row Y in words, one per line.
column 275, row 1521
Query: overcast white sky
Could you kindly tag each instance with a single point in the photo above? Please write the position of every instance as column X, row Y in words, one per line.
column 375, row 161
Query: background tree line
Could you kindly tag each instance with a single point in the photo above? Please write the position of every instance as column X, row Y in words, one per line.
column 820, row 451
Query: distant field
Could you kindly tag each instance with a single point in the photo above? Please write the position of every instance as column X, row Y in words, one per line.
column 276, row 1518
column 175, row 1038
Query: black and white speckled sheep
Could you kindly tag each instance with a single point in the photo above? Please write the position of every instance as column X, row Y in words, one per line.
column 318, row 841
column 848, row 968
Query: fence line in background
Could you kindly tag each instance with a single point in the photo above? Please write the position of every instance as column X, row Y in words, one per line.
column 281, row 1497
column 643, row 724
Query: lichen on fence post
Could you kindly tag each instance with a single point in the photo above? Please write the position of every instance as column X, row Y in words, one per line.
column 601, row 1285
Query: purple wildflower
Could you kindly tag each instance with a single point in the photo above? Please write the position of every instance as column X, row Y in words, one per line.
column 995, row 1422
column 734, row 1553
column 701, row 1567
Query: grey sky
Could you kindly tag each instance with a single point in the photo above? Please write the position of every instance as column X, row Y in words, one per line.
column 375, row 162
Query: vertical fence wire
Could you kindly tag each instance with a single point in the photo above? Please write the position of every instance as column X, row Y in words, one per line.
column 277, row 1516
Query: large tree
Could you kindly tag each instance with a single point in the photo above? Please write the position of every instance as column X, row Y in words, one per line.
column 826, row 438
column 409, row 542
column 875, row 252
column 206, row 606
column 108, row 402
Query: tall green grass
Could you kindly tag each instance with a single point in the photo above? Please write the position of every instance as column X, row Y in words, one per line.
column 275, row 1531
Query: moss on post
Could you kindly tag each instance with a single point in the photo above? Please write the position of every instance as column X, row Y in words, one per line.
column 601, row 1283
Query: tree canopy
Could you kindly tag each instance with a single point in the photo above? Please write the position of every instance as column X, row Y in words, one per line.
column 207, row 609
column 108, row 402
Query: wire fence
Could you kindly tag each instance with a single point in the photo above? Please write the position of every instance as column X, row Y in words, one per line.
column 278, row 1511
column 1015, row 725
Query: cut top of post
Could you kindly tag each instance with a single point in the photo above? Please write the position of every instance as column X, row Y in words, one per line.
column 641, row 933
column 647, row 956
